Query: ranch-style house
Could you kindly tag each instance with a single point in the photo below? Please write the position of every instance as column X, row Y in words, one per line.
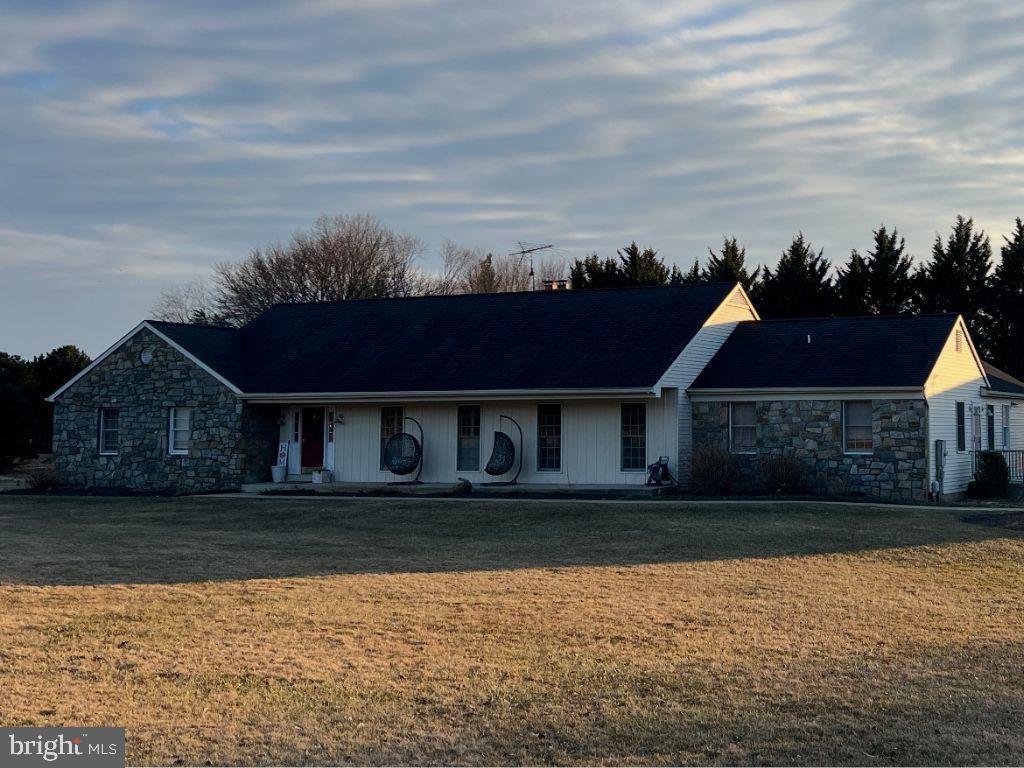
column 563, row 388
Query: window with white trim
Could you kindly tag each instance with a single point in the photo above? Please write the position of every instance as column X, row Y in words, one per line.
column 742, row 427
column 549, row 437
column 179, row 431
column 1006, row 426
column 110, row 431
column 857, row 433
column 961, row 428
column 633, row 438
column 467, row 451
column 975, row 427
column 392, row 418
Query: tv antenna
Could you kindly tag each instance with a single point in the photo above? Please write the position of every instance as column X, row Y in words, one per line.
column 527, row 250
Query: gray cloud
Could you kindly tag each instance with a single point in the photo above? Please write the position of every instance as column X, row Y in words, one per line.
column 143, row 142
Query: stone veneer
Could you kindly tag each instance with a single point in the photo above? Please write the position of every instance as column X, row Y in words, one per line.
column 231, row 442
column 811, row 432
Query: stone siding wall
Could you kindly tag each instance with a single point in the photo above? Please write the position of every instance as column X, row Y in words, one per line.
column 811, row 432
column 228, row 445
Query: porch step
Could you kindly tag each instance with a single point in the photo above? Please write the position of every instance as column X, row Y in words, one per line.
column 524, row 490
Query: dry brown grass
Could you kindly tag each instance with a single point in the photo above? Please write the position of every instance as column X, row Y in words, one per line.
column 351, row 631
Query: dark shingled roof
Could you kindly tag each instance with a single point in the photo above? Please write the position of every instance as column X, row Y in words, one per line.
column 618, row 338
column 896, row 351
column 1001, row 381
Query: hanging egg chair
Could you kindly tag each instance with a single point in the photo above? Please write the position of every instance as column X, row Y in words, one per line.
column 503, row 454
column 403, row 453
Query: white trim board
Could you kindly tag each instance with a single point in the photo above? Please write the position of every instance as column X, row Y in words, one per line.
column 314, row 398
column 808, row 393
column 163, row 337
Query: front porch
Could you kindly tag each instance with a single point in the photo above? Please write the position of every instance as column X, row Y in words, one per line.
column 566, row 443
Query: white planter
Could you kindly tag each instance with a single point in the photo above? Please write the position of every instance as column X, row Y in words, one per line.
column 279, row 473
column 321, row 476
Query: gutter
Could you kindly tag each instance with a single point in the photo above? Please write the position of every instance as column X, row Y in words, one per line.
column 1005, row 395
column 446, row 395
column 724, row 391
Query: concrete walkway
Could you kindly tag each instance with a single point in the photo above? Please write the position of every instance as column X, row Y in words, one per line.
column 670, row 501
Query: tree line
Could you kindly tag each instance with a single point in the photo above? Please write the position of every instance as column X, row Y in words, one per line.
column 24, row 412
column 960, row 276
column 351, row 257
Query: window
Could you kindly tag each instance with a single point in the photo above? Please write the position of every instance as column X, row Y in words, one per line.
column 976, row 428
column 961, row 428
column 634, row 437
column 391, row 420
column 742, row 427
column 467, row 458
column 549, row 438
column 990, row 426
column 179, row 430
column 110, row 431
column 1006, row 427
column 857, row 437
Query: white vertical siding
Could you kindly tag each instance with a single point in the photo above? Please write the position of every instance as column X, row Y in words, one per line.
column 957, row 377
column 590, row 440
column 691, row 361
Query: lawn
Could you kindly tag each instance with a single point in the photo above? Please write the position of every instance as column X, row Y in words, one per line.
column 276, row 631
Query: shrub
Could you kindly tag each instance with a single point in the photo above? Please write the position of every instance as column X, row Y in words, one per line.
column 44, row 478
column 991, row 478
column 714, row 469
column 782, row 474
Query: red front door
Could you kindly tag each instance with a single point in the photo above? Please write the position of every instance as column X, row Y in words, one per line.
column 312, row 437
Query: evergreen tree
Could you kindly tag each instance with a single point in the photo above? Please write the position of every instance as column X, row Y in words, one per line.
column 15, row 411
column 46, row 374
column 595, row 272
column 633, row 267
column 799, row 286
column 691, row 276
column 853, row 286
column 957, row 278
column 729, row 266
column 890, row 280
column 1006, row 337
column 642, row 267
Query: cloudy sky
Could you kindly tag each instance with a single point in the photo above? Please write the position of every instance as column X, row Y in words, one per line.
column 140, row 142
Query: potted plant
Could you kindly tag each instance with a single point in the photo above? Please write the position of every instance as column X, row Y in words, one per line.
column 321, row 475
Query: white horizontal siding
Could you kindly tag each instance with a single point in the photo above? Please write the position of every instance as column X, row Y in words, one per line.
column 957, row 377
column 590, row 440
column 692, row 360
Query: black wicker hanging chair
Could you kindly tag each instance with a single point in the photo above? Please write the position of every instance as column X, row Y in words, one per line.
column 503, row 454
column 403, row 453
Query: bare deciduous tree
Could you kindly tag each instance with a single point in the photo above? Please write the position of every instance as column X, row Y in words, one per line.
column 341, row 257
column 192, row 302
column 471, row 270
column 552, row 268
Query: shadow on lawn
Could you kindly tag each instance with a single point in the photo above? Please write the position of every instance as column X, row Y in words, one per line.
column 50, row 541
